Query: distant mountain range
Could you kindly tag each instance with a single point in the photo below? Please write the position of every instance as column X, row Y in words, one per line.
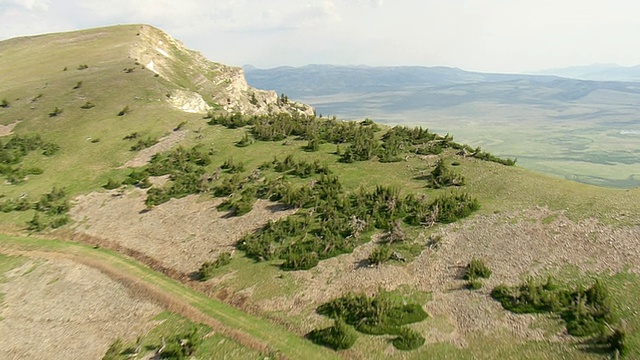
column 399, row 89
column 580, row 122
column 597, row 72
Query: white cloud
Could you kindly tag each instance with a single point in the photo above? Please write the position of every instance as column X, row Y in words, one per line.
column 42, row 5
column 492, row 35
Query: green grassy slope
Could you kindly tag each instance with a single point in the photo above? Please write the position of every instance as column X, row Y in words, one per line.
column 35, row 83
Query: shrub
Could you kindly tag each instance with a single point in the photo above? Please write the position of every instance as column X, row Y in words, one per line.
column 82, row 66
column 232, row 167
column 408, row 339
column 477, row 269
column 49, row 149
column 376, row 315
column 88, row 105
column 182, row 346
column 207, row 268
column 112, row 184
column 442, row 176
column 380, row 254
column 4, row 103
column 617, row 340
column 245, row 141
column 474, row 284
column 312, row 145
column 36, row 223
column 132, row 136
column 114, row 350
column 57, row 111
column 155, row 197
column 125, row 110
column 340, row 336
column 78, row 85
column 585, row 312
column 58, row 221
column 300, row 261
column 143, row 144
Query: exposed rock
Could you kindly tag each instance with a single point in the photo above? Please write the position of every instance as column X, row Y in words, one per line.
column 206, row 84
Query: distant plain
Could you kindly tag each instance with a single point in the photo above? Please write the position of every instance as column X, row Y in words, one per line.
column 586, row 131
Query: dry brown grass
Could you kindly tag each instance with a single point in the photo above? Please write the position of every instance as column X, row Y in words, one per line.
column 181, row 234
column 7, row 129
column 58, row 308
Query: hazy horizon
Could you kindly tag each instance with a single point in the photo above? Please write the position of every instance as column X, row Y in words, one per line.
column 492, row 36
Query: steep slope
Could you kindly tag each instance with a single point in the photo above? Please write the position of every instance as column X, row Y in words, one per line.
column 210, row 84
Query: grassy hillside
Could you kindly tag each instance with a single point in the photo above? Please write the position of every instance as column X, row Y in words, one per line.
column 396, row 213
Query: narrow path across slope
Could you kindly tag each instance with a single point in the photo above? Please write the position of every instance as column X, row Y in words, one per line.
column 248, row 330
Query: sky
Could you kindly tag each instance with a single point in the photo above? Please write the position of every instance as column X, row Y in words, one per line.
column 477, row 35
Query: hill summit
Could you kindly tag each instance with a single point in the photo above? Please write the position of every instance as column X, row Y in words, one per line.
column 198, row 84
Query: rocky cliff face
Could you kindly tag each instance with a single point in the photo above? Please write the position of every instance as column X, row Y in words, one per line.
column 204, row 84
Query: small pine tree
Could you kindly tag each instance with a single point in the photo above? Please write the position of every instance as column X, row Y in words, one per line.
column 379, row 255
column 338, row 337
column 36, row 224
column 57, row 111
column 124, row 111
column 477, row 269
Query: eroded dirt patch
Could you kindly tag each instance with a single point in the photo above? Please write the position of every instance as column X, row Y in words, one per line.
column 7, row 129
column 181, row 234
column 64, row 310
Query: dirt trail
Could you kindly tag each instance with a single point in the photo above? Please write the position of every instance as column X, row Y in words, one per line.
column 105, row 274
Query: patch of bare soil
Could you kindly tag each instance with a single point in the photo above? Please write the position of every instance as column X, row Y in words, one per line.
column 143, row 156
column 181, row 234
column 64, row 310
column 7, row 129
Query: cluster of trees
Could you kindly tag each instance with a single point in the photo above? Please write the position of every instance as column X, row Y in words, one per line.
column 359, row 139
column 377, row 315
column 50, row 209
column 586, row 311
column 331, row 221
column 302, row 169
column 335, row 222
column 13, row 151
column 186, row 170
